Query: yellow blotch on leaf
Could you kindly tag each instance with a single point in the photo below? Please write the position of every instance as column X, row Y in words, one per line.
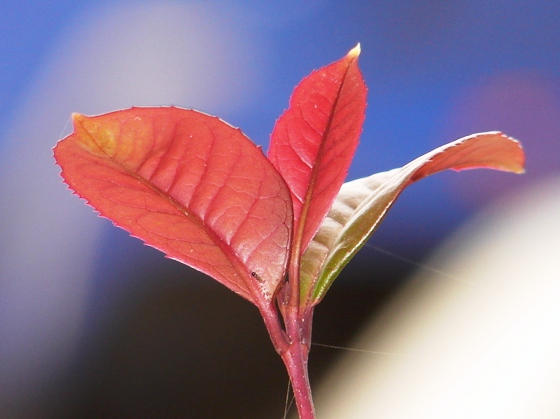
column 95, row 136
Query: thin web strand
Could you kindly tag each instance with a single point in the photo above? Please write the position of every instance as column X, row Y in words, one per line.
column 61, row 135
column 420, row 265
column 424, row 266
column 288, row 402
column 365, row 351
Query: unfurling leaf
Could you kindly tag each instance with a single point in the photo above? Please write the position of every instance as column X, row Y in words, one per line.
column 361, row 204
column 189, row 185
column 314, row 141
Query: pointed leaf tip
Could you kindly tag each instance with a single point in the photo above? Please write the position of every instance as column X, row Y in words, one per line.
column 355, row 52
column 97, row 138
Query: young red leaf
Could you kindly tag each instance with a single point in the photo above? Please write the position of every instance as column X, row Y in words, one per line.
column 314, row 141
column 189, row 185
column 361, row 204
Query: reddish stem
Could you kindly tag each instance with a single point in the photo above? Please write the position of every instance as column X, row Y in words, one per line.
column 295, row 359
column 290, row 332
column 293, row 346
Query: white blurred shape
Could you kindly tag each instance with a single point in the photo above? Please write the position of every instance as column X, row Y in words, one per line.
column 486, row 345
column 146, row 53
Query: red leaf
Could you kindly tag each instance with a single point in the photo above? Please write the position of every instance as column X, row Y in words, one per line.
column 314, row 141
column 189, row 185
column 492, row 150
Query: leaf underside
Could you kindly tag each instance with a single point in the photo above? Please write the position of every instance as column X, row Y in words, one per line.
column 189, row 185
column 361, row 204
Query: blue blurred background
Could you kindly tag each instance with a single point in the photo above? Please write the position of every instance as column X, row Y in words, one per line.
column 93, row 323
